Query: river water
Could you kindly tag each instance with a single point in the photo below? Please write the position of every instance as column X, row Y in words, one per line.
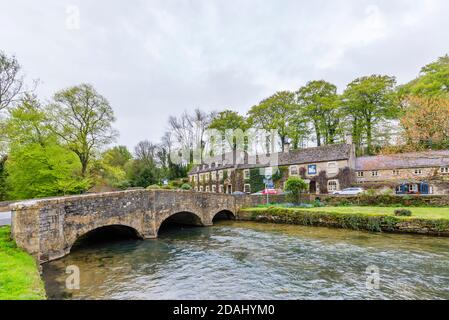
column 245, row 260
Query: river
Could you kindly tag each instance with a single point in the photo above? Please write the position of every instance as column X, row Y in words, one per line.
column 245, row 260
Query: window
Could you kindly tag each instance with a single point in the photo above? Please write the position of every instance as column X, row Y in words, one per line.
column 418, row 171
column 196, row 188
column 332, row 167
column 396, row 172
column 247, row 188
column 207, row 177
column 229, row 173
column 214, row 175
column 444, row 170
column 207, row 189
column 246, row 174
column 294, row 170
column 311, row 169
column 220, row 174
column 360, row 174
column 374, row 173
column 220, row 188
column 201, row 189
column 332, row 185
column 214, row 188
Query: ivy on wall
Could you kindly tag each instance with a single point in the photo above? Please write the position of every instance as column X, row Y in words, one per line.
column 346, row 177
column 256, row 180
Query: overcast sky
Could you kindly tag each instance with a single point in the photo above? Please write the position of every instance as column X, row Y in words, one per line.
column 152, row 59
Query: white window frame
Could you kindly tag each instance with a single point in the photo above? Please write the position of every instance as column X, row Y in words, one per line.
column 220, row 188
column 334, row 168
column 207, row 189
column 374, row 173
column 292, row 173
column 360, row 174
column 201, row 189
column 220, row 174
column 332, row 185
column 396, row 172
column 247, row 188
column 214, row 188
column 444, row 170
column 246, row 174
column 418, row 172
column 214, row 175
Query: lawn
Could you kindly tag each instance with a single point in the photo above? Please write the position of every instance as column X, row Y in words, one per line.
column 19, row 275
column 417, row 212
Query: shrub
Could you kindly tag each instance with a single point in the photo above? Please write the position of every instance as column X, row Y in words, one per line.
column 186, row 186
column 294, row 187
column 402, row 212
column 153, row 186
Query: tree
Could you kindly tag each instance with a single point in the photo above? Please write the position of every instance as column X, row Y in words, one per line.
column 227, row 122
column 318, row 101
column 369, row 101
column 11, row 81
column 37, row 165
column 3, row 194
column 275, row 113
column 117, row 156
column 82, row 118
column 432, row 81
column 426, row 122
column 294, row 186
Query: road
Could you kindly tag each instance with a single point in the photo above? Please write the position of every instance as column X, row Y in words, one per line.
column 5, row 218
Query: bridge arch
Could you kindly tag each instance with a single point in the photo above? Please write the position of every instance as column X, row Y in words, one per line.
column 183, row 217
column 224, row 214
column 103, row 232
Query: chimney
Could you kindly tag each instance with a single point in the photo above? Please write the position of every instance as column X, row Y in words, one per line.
column 348, row 138
column 286, row 147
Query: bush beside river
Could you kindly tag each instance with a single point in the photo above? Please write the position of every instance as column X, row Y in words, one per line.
column 19, row 272
column 431, row 221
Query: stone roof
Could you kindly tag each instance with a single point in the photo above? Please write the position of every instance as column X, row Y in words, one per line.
column 404, row 161
column 303, row 156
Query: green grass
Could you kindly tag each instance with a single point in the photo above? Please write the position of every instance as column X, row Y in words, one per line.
column 430, row 213
column 19, row 275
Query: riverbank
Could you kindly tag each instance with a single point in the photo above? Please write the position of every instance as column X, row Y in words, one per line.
column 428, row 221
column 19, row 272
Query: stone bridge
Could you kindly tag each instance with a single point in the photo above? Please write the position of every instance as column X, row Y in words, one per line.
column 48, row 228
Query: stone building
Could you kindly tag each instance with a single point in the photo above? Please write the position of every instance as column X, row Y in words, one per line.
column 406, row 173
column 326, row 169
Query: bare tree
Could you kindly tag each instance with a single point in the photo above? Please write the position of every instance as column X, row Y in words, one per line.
column 11, row 81
column 146, row 152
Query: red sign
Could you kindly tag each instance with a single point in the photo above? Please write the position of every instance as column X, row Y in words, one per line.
column 270, row 191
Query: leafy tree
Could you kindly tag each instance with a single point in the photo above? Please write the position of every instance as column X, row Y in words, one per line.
column 227, row 122
column 369, row 101
column 3, row 194
column 319, row 102
column 117, row 156
column 426, row 122
column 295, row 186
column 37, row 165
column 36, row 170
column 275, row 112
column 82, row 118
column 186, row 186
column 432, row 81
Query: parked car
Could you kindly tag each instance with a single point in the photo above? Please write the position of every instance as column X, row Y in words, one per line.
column 349, row 191
column 239, row 193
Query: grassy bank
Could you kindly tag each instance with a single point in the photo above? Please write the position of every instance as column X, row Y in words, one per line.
column 19, row 275
column 432, row 221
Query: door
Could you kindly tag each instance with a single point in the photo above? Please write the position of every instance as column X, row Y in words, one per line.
column 312, row 187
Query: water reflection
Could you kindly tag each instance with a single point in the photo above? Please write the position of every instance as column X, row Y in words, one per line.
column 242, row 260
